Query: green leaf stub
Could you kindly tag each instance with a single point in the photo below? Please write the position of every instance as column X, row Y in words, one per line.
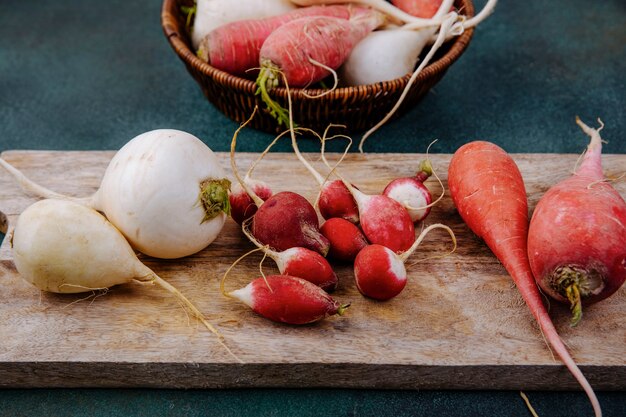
column 214, row 198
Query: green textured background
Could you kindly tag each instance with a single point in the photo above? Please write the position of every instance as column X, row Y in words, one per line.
column 93, row 74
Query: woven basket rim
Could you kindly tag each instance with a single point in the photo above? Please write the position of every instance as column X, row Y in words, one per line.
column 170, row 23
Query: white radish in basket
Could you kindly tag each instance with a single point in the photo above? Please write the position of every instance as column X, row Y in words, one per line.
column 164, row 190
column 64, row 247
column 211, row 14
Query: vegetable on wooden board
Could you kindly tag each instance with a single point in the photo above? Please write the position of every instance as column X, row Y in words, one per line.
column 412, row 193
column 489, row 193
column 380, row 273
column 165, row 190
column 64, row 247
column 346, row 239
column 577, row 235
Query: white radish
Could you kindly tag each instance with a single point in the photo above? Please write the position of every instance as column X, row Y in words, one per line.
column 211, row 14
column 164, row 190
column 64, row 247
column 385, row 55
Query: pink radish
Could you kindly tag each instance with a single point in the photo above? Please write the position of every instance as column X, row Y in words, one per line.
column 412, row 193
column 577, row 235
column 346, row 239
column 285, row 220
column 241, row 205
column 418, row 8
column 287, row 299
column 380, row 273
column 300, row 262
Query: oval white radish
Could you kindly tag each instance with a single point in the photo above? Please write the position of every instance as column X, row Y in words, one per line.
column 211, row 14
column 164, row 190
column 64, row 247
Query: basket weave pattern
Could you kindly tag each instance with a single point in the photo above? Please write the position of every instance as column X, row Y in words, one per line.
column 358, row 108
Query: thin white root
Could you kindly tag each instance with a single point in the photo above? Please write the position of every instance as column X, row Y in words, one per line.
column 33, row 188
column 527, row 401
column 233, row 145
column 260, row 157
column 446, row 26
column 223, row 280
column 196, row 313
column 329, row 69
column 404, row 256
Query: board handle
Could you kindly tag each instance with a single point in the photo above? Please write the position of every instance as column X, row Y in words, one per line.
column 4, row 223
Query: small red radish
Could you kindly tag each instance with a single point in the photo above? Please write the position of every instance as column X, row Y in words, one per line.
column 577, row 235
column 380, row 273
column 412, row 193
column 346, row 239
column 300, row 262
column 286, row 219
column 287, row 299
column 334, row 198
column 241, row 205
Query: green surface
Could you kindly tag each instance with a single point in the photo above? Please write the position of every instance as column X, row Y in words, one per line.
column 93, row 74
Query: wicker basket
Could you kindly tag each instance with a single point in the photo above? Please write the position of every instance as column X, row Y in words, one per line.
column 358, row 108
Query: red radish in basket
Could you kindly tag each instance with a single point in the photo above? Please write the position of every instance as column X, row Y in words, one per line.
column 488, row 191
column 577, row 235
column 286, row 219
column 380, row 273
column 418, row 8
column 235, row 47
column 305, row 51
column 300, row 262
column 346, row 239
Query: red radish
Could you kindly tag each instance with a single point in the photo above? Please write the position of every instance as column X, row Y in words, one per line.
column 488, row 191
column 418, row 8
column 577, row 235
column 241, row 205
column 412, row 193
column 285, row 220
column 287, row 299
column 346, row 239
column 300, row 262
column 307, row 50
column 235, row 47
column 334, row 198
column 380, row 273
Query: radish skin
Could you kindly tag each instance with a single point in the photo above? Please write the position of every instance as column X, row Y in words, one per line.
column 64, row 247
column 287, row 299
column 346, row 239
column 412, row 193
column 577, row 235
column 489, row 194
column 211, row 14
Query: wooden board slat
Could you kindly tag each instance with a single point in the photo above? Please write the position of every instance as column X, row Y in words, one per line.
column 460, row 323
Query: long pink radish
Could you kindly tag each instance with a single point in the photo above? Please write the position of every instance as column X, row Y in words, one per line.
column 577, row 235
column 488, row 191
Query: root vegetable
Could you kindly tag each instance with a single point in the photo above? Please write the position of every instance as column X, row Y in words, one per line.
column 64, row 247
column 241, row 205
column 286, row 219
column 577, row 235
column 346, row 239
column 412, row 193
column 380, row 273
column 300, row 262
column 235, row 47
column 287, row 299
column 164, row 190
column 488, row 191
column 211, row 14
column 419, row 8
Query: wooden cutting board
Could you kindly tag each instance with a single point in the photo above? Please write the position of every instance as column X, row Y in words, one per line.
column 460, row 323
